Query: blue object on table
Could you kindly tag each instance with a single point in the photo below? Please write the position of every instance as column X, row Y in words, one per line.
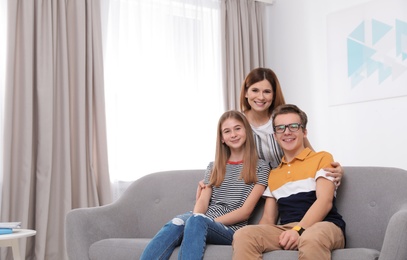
column 6, row 231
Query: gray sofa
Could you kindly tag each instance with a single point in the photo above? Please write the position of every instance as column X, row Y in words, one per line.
column 372, row 200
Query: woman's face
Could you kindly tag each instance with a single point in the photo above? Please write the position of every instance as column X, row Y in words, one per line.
column 260, row 96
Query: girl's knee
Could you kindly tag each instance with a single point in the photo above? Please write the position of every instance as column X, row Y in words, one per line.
column 198, row 218
column 178, row 221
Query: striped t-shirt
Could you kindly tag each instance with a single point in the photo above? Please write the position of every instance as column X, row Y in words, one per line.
column 233, row 192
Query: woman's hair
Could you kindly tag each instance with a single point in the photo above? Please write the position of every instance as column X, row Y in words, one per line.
column 223, row 152
column 290, row 109
column 257, row 75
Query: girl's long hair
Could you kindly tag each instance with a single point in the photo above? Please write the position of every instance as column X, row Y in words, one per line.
column 250, row 158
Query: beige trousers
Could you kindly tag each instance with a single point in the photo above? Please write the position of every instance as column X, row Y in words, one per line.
column 316, row 242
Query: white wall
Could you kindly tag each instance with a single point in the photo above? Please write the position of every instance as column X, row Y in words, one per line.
column 365, row 133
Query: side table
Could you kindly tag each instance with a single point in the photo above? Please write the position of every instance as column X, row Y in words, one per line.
column 12, row 240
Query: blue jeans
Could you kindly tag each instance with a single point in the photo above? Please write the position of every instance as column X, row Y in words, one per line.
column 192, row 232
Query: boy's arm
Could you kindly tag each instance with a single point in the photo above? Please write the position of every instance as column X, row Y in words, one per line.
column 317, row 212
column 320, row 208
column 270, row 212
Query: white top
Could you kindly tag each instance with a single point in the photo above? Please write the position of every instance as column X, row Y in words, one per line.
column 267, row 147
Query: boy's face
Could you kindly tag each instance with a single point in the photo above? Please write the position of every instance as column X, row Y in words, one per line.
column 289, row 141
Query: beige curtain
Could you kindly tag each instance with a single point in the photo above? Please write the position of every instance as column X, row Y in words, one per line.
column 55, row 152
column 242, row 43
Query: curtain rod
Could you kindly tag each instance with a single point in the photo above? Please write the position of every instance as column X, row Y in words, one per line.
column 266, row 1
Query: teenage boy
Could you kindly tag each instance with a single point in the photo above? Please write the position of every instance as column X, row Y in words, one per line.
column 300, row 194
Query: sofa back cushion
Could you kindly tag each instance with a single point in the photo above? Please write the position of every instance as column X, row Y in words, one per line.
column 367, row 198
column 156, row 198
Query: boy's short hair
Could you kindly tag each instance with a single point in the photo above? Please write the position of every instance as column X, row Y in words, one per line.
column 290, row 109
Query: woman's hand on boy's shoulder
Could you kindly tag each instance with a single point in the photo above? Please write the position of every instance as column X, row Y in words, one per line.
column 336, row 171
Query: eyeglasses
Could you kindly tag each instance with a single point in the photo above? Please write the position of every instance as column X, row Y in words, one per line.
column 294, row 127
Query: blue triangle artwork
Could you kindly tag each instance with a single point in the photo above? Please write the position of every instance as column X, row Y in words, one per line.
column 367, row 52
column 361, row 55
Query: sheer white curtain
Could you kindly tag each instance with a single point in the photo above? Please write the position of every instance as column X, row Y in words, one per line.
column 163, row 84
column 3, row 36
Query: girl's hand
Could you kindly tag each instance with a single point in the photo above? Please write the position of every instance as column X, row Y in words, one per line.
column 336, row 171
column 201, row 186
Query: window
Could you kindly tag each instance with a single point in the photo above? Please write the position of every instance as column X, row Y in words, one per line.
column 162, row 65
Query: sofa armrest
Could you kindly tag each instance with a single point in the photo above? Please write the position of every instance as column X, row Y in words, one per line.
column 395, row 240
column 146, row 205
column 85, row 226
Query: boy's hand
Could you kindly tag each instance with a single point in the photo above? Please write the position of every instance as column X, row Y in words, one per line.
column 289, row 240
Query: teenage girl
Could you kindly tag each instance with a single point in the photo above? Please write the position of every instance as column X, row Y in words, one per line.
column 234, row 183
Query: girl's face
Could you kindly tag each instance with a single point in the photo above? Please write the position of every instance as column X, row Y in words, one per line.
column 233, row 133
column 260, row 95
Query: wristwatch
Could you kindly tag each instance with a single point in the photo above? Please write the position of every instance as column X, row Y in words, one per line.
column 299, row 229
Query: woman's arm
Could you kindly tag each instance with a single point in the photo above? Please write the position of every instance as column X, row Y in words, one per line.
column 202, row 203
column 244, row 212
column 336, row 171
column 308, row 144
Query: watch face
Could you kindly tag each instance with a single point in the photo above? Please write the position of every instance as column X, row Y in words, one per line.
column 299, row 229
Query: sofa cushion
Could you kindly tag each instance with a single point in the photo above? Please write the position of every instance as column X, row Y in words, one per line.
column 130, row 248
column 119, row 248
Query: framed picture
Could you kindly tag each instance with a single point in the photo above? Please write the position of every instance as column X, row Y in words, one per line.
column 367, row 52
